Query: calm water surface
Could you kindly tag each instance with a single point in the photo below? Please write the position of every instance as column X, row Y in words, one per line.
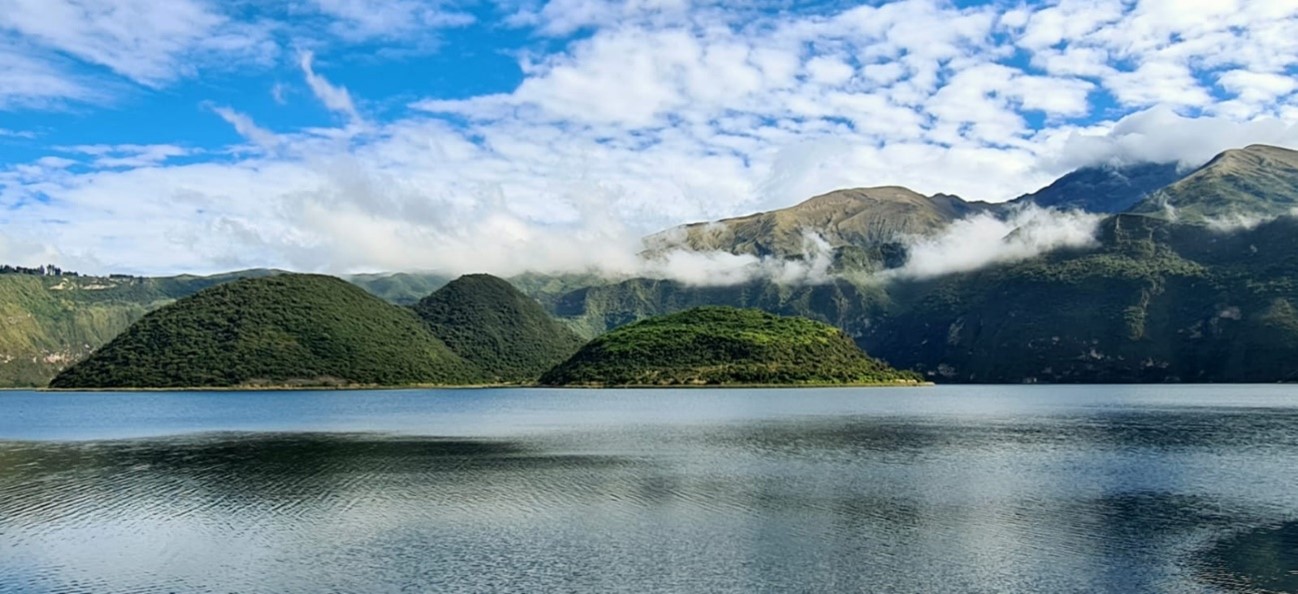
column 948, row 489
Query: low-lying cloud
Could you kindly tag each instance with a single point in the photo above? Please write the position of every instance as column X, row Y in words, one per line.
column 984, row 239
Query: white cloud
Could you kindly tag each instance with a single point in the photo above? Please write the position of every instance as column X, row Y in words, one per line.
column 28, row 82
column 359, row 20
column 148, row 42
column 24, row 134
column 126, row 156
column 1257, row 87
column 247, row 128
column 1160, row 135
column 660, row 112
column 981, row 240
column 334, row 98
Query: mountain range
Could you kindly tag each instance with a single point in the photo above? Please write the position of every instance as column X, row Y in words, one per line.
column 1189, row 278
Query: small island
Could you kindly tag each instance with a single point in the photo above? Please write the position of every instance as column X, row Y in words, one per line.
column 723, row 346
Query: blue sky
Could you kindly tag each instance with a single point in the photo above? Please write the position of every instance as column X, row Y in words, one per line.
column 345, row 136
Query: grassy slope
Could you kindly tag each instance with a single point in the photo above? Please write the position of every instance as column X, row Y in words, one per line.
column 288, row 329
column 719, row 345
column 1238, row 185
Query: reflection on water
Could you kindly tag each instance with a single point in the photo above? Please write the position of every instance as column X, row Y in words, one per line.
column 804, row 491
column 1259, row 560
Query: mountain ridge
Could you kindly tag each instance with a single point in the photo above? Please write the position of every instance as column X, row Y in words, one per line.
column 1255, row 182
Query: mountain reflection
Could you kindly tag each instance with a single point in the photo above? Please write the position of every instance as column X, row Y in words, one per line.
column 1160, row 499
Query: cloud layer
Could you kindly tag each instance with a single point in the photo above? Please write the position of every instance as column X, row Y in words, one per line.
column 630, row 117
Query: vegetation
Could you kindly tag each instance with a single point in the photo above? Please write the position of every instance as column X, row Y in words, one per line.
column 44, row 270
column 491, row 324
column 719, row 346
column 401, row 288
column 50, row 322
column 1210, row 294
column 289, row 329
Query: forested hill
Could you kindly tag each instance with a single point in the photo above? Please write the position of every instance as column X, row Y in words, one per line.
column 290, row 329
column 723, row 346
column 496, row 327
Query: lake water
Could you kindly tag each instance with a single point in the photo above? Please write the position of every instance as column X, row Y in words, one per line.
column 946, row 489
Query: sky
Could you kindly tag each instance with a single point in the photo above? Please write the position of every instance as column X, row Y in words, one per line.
column 343, row 136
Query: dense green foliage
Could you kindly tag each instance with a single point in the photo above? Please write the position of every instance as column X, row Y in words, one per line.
column 1155, row 301
column 499, row 329
column 722, row 345
column 290, row 329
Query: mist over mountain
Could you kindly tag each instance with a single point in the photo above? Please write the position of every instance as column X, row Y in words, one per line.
column 1193, row 283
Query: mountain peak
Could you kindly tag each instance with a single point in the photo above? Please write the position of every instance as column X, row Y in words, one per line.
column 1257, row 181
column 860, row 217
column 1104, row 188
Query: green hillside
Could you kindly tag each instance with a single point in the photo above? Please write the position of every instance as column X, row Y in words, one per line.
column 719, row 346
column 1157, row 302
column 493, row 325
column 291, row 329
column 401, row 288
column 50, row 322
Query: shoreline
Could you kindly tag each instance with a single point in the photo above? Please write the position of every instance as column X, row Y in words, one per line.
column 472, row 387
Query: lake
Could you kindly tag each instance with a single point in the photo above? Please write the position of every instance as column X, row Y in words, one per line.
column 944, row 489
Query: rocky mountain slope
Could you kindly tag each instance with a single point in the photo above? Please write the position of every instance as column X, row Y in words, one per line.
column 1104, row 188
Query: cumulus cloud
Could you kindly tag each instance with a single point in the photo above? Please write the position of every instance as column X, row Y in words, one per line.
column 630, row 117
column 361, row 20
column 1161, row 135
